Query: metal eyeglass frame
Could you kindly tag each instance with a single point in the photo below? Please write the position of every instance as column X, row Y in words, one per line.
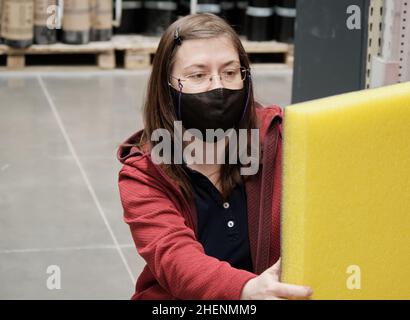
column 247, row 72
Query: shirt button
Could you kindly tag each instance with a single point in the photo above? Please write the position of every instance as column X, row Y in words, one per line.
column 231, row 223
column 226, row 205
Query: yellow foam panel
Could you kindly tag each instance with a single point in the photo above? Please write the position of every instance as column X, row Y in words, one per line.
column 346, row 195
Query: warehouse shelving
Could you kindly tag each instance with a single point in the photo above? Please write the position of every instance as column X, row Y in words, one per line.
column 137, row 51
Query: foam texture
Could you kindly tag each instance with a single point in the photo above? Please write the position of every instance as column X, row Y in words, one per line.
column 346, row 195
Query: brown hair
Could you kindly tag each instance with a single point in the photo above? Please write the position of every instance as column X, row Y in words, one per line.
column 159, row 111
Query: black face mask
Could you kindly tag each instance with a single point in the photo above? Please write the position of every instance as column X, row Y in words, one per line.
column 220, row 108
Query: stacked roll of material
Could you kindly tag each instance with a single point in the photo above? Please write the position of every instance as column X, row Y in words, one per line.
column 284, row 26
column 132, row 20
column 101, row 20
column 1, row 5
column 76, row 21
column 240, row 8
column 17, row 23
column 45, row 15
column 228, row 12
column 158, row 16
column 184, row 8
column 260, row 15
column 210, row 6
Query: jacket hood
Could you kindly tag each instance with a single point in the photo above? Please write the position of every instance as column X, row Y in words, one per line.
column 264, row 115
column 129, row 149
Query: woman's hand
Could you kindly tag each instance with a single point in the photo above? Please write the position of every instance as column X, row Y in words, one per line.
column 266, row 286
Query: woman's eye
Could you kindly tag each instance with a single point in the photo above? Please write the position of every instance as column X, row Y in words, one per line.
column 230, row 73
column 197, row 76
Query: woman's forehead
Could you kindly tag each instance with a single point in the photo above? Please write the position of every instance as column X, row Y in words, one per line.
column 206, row 52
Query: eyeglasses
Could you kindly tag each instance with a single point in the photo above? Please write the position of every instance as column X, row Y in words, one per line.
column 229, row 77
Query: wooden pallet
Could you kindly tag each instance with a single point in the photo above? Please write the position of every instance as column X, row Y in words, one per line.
column 268, row 47
column 136, row 49
column 104, row 51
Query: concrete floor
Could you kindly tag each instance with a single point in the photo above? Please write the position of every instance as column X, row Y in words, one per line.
column 59, row 201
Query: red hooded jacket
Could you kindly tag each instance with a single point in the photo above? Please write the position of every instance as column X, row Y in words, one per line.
column 163, row 223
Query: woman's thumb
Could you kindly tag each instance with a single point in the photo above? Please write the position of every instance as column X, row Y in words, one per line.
column 275, row 269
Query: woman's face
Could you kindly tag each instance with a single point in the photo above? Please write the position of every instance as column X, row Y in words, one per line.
column 205, row 59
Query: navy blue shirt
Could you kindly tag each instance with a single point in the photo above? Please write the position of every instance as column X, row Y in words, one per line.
column 222, row 226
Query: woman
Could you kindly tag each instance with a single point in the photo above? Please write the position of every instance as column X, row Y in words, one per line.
column 206, row 230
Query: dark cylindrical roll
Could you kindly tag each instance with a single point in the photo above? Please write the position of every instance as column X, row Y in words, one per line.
column 43, row 32
column 76, row 21
column 132, row 17
column 101, row 20
column 158, row 16
column 17, row 23
column 211, row 6
column 1, row 5
column 260, row 20
column 285, row 20
column 241, row 7
column 228, row 12
column 184, row 8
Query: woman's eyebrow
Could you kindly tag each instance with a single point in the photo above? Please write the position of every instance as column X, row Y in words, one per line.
column 195, row 65
column 200, row 65
column 231, row 62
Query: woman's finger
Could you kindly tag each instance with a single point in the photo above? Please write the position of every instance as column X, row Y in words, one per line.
column 285, row 290
column 274, row 298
